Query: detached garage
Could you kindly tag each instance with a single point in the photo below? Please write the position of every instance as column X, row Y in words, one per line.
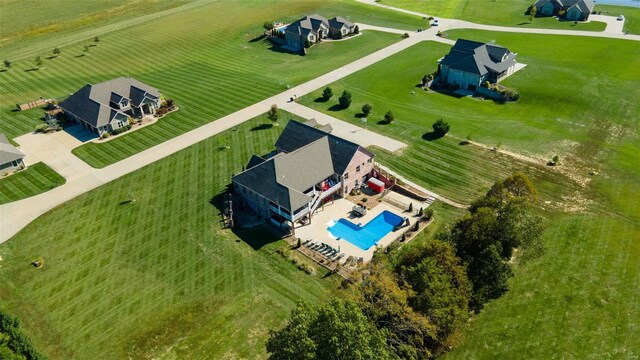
column 375, row 185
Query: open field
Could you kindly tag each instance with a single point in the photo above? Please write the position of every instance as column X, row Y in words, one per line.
column 495, row 12
column 210, row 69
column 36, row 179
column 156, row 275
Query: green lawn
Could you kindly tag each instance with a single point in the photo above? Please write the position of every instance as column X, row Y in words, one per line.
column 211, row 68
column 492, row 12
column 36, row 179
column 157, row 276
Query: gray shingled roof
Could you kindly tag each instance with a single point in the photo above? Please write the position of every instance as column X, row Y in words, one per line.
column 478, row 58
column 8, row 152
column 586, row 6
column 310, row 156
column 255, row 160
column 338, row 21
column 93, row 103
column 297, row 135
column 307, row 24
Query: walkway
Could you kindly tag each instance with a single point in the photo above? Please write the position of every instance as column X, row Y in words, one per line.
column 346, row 130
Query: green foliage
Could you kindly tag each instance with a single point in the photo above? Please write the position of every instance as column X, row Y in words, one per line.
column 96, row 39
column 268, row 25
column 56, row 52
column 366, row 109
column 389, row 117
column 405, row 35
column 335, row 330
column 345, row 99
column 496, row 224
column 7, row 64
column 441, row 289
column 327, row 93
column 428, row 214
column 532, row 12
column 555, row 159
column 440, row 127
column 410, row 335
column 41, row 128
column 273, row 114
column 14, row 344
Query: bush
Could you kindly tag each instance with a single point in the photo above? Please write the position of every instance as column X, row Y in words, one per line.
column 428, row 214
column 327, row 93
column 388, row 117
column 366, row 109
column 487, row 84
column 440, row 127
column 104, row 135
column 345, row 99
column 42, row 128
column 405, row 35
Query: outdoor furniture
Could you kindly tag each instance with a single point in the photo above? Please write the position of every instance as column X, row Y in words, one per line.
column 359, row 211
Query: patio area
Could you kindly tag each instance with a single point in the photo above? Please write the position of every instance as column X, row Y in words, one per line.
column 317, row 232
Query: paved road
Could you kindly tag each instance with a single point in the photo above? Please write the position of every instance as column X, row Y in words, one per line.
column 346, row 130
column 613, row 30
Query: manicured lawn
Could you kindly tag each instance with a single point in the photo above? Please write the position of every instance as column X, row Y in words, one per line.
column 36, row 179
column 156, row 276
column 495, row 12
column 211, row 68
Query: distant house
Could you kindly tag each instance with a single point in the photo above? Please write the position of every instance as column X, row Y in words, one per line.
column 10, row 157
column 310, row 167
column 314, row 28
column 471, row 63
column 107, row 106
column 577, row 10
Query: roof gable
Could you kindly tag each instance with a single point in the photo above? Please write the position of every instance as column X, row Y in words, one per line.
column 478, row 58
column 8, row 152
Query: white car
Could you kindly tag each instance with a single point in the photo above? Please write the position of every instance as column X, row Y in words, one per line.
column 434, row 23
column 620, row 18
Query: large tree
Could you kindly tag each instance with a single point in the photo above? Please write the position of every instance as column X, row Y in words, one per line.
column 335, row 330
column 345, row 99
column 441, row 289
column 273, row 114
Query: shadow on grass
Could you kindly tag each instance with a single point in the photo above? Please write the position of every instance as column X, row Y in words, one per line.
column 431, row 136
column 262, row 127
column 258, row 38
column 278, row 49
column 32, row 69
column 321, row 99
column 384, row 122
column 79, row 56
column 524, row 23
column 335, row 107
column 449, row 93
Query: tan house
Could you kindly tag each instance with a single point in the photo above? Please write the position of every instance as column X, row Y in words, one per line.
column 10, row 157
column 310, row 167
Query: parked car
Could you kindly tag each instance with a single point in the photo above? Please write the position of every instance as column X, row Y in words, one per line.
column 620, row 18
column 435, row 22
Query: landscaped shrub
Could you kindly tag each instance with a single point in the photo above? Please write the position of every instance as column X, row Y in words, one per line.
column 388, row 117
column 428, row 214
column 366, row 109
column 42, row 128
column 104, row 135
column 440, row 127
column 345, row 99
column 327, row 93
column 405, row 35
column 487, row 84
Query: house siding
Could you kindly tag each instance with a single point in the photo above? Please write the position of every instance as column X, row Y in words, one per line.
column 358, row 159
column 574, row 14
column 8, row 168
column 547, row 9
column 460, row 78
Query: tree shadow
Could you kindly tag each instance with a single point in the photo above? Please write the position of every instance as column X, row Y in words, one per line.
column 336, row 107
column 361, row 115
column 431, row 136
column 384, row 122
column 262, row 127
column 321, row 99
column 79, row 56
column 258, row 38
column 32, row 69
column 281, row 50
column 3, row 70
column 524, row 23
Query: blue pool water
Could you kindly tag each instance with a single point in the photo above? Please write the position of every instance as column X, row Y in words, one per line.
column 366, row 236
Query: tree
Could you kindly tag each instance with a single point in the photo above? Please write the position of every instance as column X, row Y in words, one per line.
column 268, row 25
column 366, row 109
column 356, row 30
column 38, row 61
column 388, row 117
column 86, row 48
column 440, row 127
column 7, row 64
column 274, row 114
column 96, row 39
column 532, row 12
column 441, row 289
column 428, row 214
column 335, row 330
column 384, row 300
column 345, row 99
column 327, row 93
column 56, row 52
column 555, row 160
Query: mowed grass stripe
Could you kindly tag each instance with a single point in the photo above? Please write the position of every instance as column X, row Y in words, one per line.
column 36, row 179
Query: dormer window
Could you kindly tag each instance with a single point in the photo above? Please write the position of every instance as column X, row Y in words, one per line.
column 124, row 103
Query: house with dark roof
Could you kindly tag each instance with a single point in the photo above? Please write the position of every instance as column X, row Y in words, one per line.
column 310, row 167
column 11, row 159
column 107, row 106
column 471, row 63
column 577, row 10
column 314, row 28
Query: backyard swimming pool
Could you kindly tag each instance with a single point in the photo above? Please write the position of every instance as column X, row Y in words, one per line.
column 368, row 235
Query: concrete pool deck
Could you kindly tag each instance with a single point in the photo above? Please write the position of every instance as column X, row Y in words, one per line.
column 341, row 208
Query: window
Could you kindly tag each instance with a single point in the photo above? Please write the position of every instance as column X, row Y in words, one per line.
column 358, row 168
column 370, row 160
column 346, row 176
column 14, row 163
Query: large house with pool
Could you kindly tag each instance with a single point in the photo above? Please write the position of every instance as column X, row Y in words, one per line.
column 309, row 168
column 107, row 106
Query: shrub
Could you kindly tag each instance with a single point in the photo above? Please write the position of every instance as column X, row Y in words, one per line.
column 345, row 99
column 440, row 127
column 405, row 35
column 486, row 84
column 42, row 128
column 428, row 214
column 327, row 93
column 388, row 117
column 366, row 109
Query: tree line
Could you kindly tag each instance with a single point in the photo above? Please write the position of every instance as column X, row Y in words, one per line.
column 412, row 303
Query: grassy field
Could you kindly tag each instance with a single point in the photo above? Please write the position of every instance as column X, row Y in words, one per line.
column 36, row 179
column 581, row 299
column 157, row 276
column 492, row 12
column 210, row 68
